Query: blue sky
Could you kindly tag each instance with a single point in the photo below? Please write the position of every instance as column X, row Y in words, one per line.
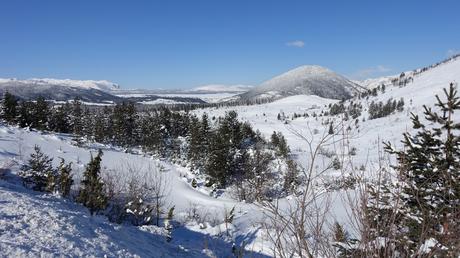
column 182, row 44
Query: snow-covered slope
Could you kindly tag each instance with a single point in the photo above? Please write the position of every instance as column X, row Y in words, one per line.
column 366, row 135
column 38, row 224
column 305, row 80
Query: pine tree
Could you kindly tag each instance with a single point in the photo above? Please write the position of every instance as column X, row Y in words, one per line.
column 257, row 174
column 219, row 159
column 39, row 175
column 76, row 121
column 283, row 148
column 291, row 179
column 274, row 139
column 279, row 143
column 92, row 194
column 343, row 243
column 40, row 114
column 76, row 116
column 331, row 128
column 194, row 142
column 65, row 178
column 9, row 108
column 59, row 119
column 429, row 168
column 26, row 114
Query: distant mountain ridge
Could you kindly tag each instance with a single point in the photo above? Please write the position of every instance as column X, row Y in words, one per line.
column 90, row 91
column 305, row 80
column 60, row 90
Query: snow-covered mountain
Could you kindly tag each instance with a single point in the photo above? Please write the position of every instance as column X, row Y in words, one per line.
column 85, row 84
column 305, row 80
column 61, row 90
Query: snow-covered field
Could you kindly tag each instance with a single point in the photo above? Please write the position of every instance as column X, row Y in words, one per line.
column 37, row 224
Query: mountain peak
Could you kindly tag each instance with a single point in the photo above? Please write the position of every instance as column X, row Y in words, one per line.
column 305, row 80
column 310, row 69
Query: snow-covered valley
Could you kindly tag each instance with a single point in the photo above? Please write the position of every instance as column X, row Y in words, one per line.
column 45, row 224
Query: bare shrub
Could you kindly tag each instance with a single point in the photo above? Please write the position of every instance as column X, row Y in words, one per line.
column 298, row 227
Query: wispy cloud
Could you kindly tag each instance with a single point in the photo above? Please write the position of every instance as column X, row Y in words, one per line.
column 370, row 72
column 452, row 52
column 295, row 43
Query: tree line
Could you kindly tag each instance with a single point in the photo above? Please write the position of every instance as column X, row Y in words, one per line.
column 224, row 149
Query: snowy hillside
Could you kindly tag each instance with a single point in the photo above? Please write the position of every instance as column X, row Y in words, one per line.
column 369, row 134
column 305, row 80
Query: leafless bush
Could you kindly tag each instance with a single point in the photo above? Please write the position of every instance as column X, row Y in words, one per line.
column 139, row 191
column 195, row 213
column 298, row 227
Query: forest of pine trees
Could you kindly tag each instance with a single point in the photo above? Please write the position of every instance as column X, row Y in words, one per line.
column 225, row 150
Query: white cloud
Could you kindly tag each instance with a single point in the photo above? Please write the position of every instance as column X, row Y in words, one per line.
column 452, row 52
column 295, row 43
column 370, row 72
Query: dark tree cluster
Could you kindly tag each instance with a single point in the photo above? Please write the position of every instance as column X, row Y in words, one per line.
column 378, row 110
column 352, row 110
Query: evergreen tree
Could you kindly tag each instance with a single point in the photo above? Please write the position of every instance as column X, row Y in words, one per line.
column 219, row 159
column 9, row 108
column 291, row 179
column 76, row 117
column 429, row 168
column 39, row 175
column 205, row 130
column 88, row 122
column 283, row 148
column 275, row 139
column 41, row 112
column 279, row 144
column 331, row 129
column 26, row 117
column 59, row 119
column 99, row 130
column 194, row 149
column 92, row 194
column 65, row 178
